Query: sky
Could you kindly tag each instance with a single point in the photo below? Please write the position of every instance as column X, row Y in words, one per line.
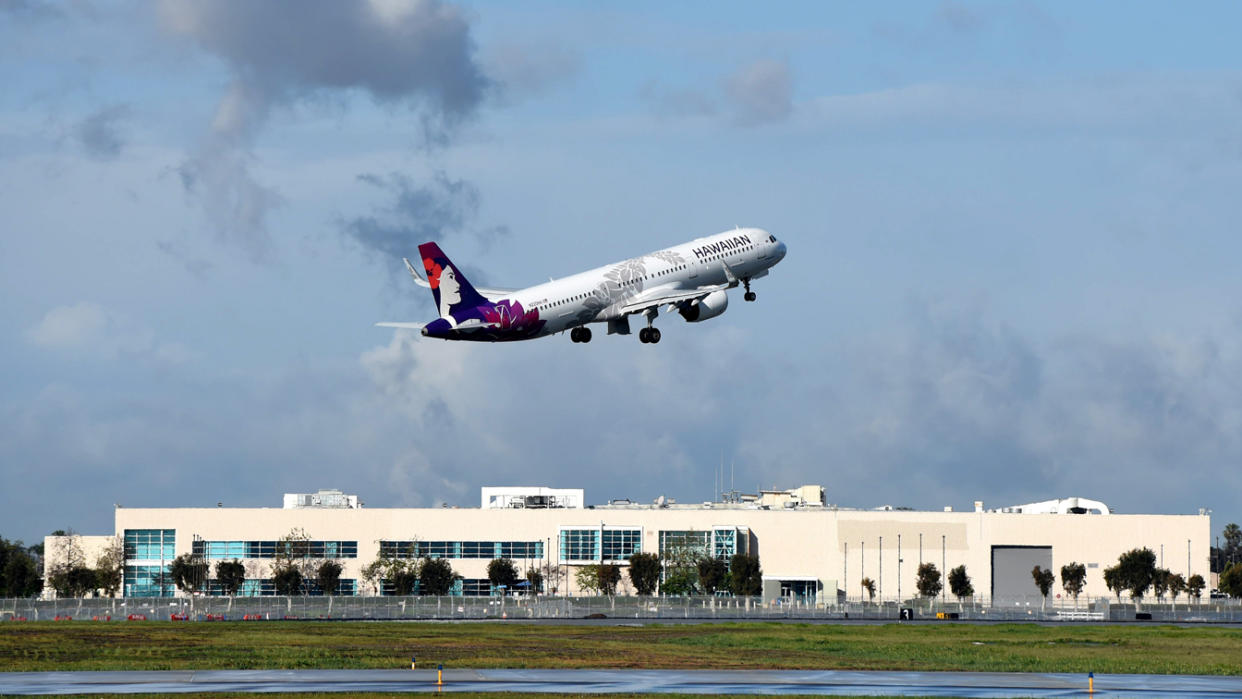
column 1013, row 233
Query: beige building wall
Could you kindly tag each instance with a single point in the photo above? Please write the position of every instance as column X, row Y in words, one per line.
column 836, row 547
column 72, row 549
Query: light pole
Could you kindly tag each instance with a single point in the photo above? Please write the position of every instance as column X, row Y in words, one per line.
column 880, row 582
column 943, row 570
column 899, row 569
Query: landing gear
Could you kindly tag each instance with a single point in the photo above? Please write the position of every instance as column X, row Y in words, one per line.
column 649, row 334
column 749, row 295
column 580, row 334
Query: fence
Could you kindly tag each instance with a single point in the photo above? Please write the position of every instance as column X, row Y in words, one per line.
column 547, row 607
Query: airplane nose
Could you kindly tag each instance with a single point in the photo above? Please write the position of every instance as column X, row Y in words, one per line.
column 780, row 251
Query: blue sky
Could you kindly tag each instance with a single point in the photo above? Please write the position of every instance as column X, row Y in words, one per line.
column 1012, row 229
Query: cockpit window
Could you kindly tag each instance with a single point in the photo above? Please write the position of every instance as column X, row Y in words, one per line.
column 771, row 239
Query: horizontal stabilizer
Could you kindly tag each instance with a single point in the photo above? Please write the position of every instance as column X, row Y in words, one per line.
column 407, row 326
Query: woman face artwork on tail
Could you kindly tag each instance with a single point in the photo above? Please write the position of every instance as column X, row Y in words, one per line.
column 450, row 291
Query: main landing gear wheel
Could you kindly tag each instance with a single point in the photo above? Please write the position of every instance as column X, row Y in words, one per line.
column 580, row 334
column 647, row 335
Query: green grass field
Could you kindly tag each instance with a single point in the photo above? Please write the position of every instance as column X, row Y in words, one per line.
column 30, row 646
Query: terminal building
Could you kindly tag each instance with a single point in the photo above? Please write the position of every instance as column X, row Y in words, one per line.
column 809, row 550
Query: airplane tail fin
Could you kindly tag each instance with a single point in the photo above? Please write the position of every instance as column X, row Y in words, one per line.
column 449, row 286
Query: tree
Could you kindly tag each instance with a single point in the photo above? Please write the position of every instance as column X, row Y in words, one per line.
column 645, row 572
column 66, row 565
column 680, row 562
column 680, row 580
column 288, row 581
column 1195, row 585
column 1112, row 580
column 608, row 577
column 1160, row 582
column 328, row 577
column 384, row 569
column 404, row 580
column 1231, row 580
column 81, row 580
column 1233, row 542
column 19, row 571
column 188, row 572
column 535, row 578
column 868, row 586
column 110, row 567
column 1043, row 580
column 436, row 577
column 1073, row 578
column 1136, row 570
column 587, row 579
column 959, row 583
column 1177, row 584
column 373, row 574
column 502, row 574
column 713, row 573
column 928, row 581
column 745, row 575
column 230, row 575
column 294, row 551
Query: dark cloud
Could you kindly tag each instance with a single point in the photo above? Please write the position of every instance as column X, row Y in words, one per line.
column 442, row 208
column 418, row 51
column 761, row 92
column 100, row 133
column 417, row 54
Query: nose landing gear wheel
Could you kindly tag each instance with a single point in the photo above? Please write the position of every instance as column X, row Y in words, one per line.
column 750, row 295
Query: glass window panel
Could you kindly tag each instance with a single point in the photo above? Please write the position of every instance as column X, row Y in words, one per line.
column 579, row 544
column 620, row 544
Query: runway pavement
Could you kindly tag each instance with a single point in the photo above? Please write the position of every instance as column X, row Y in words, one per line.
column 957, row 684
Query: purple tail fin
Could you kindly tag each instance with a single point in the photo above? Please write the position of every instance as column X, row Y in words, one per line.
column 453, row 293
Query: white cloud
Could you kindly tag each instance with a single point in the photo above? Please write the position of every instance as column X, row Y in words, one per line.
column 90, row 329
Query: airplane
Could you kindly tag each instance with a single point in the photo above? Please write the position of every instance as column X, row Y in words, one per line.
column 690, row 279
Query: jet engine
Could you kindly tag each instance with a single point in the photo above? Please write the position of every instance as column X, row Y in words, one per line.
column 709, row 306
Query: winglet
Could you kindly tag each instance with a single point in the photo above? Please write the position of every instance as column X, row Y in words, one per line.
column 418, row 278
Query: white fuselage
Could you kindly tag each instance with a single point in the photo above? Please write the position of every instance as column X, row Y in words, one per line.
column 603, row 294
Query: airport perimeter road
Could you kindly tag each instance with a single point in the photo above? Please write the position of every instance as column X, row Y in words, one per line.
column 957, row 684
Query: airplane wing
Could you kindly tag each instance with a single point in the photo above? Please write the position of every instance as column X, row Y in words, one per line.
column 489, row 293
column 660, row 296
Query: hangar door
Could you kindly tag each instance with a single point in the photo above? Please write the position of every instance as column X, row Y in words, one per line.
column 1011, row 571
